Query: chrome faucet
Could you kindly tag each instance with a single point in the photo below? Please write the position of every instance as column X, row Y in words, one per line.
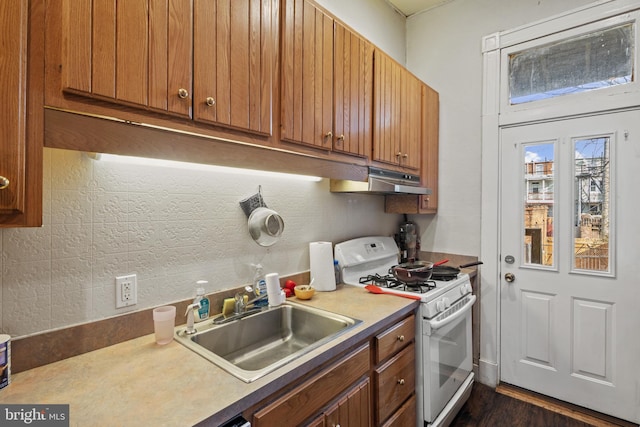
column 241, row 307
column 190, row 330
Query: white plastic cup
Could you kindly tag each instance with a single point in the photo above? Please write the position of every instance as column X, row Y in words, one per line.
column 164, row 321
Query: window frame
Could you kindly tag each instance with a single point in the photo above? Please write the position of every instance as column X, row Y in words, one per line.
column 603, row 99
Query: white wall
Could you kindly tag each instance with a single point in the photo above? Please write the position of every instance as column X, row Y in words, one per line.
column 444, row 49
column 169, row 226
column 375, row 20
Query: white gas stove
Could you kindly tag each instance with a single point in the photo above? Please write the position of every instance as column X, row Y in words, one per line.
column 368, row 261
column 443, row 325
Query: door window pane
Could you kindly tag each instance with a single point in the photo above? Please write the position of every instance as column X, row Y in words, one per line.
column 592, row 195
column 596, row 60
column 538, row 205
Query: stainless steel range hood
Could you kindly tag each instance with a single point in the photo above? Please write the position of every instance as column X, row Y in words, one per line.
column 380, row 181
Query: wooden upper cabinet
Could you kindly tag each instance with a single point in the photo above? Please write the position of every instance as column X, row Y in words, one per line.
column 21, row 116
column 430, row 129
column 135, row 52
column 397, row 133
column 307, row 75
column 327, row 87
column 353, row 89
column 234, row 57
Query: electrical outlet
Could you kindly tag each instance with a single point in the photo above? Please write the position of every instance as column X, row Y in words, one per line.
column 126, row 291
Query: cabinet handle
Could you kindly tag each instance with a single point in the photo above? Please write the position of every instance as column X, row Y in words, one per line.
column 183, row 93
column 405, row 155
column 210, row 101
column 329, row 135
column 341, row 139
column 401, row 381
column 4, row 182
column 398, row 154
column 401, row 338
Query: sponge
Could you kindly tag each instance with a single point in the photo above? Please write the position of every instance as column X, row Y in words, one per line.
column 229, row 304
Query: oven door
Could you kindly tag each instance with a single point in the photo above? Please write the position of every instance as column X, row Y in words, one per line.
column 447, row 356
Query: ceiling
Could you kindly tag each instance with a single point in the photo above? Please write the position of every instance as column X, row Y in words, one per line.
column 409, row 7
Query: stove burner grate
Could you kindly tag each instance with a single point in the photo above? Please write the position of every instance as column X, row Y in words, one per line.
column 389, row 281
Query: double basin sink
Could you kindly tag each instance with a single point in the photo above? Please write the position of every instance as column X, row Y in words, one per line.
column 252, row 346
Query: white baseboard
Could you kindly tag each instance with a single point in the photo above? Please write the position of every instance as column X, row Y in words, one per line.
column 487, row 373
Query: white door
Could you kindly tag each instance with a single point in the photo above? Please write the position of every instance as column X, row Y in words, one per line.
column 570, row 264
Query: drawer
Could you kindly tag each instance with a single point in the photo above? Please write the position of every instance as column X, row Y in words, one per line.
column 405, row 416
column 395, row 381
column 395, row 338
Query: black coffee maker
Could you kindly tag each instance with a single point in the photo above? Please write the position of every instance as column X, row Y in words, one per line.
column 408, row 241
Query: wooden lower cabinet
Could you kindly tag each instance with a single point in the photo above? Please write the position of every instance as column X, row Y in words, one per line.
column 395, row 382
column 373, row 385
column 353, row 409
column 394, row 378
column 308, row 400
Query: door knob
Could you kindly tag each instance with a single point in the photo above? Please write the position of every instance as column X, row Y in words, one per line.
column 509, row 277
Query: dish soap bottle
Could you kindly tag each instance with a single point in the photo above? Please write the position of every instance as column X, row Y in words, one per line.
column 259, row 285
column 203, row 311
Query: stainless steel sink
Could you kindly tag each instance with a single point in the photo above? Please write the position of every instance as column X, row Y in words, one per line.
column 253, row 346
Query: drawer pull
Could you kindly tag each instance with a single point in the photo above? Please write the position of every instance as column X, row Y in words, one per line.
column 4, row 182
column 401, row 381
column 183, row 93
column 210, row 101
column 401, row 338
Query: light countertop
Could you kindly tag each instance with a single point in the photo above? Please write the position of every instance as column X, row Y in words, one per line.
column 138, row 382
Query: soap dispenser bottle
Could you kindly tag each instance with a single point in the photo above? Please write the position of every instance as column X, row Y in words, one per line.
column 203, row 311
column 259, row 285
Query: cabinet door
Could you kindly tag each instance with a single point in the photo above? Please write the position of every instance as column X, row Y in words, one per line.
column 135, row 52
column 20, row 133
column 353, row 90
column 234, row 51
column 386, row 109
column 397, row 117
column 353, row 409
column 307, row 75
column 411, row 122
column 430, row 133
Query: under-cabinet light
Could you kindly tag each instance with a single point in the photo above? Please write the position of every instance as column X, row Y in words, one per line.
column 197, row 166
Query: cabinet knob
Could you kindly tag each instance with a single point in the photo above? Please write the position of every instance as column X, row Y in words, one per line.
column 329, row 135
column 405, row 155
column 398, row 154
column 401, row 381
column 210, row 101
column 341, row 139
column 401, row 338
column 4, row 182
column 183, row 93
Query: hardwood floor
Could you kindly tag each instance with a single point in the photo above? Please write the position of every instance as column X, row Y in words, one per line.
column 486, row 407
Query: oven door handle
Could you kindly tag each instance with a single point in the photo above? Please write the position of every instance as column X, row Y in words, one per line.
column 437, row 324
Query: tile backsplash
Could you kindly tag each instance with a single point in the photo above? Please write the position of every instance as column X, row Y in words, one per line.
column 170, row 226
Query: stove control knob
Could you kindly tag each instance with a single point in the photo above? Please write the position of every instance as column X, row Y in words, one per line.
column 465, row 289
column 443, row 304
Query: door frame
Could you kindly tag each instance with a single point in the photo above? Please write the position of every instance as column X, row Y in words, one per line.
column 493, row 46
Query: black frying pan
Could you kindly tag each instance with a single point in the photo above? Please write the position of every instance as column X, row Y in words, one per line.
column 443, row 272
